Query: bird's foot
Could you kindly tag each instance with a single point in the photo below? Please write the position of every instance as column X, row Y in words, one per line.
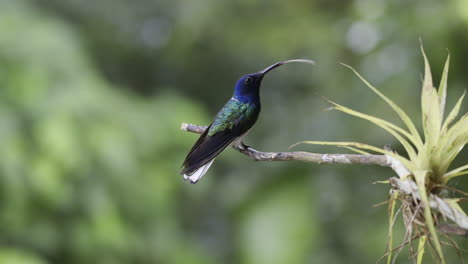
column 241, row 146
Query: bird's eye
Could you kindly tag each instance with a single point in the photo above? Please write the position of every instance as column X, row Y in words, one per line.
column 247, row 80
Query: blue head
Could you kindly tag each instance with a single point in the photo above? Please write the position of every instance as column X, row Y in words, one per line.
column 248, row 86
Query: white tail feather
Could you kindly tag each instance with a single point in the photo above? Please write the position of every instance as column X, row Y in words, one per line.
column 198, row 174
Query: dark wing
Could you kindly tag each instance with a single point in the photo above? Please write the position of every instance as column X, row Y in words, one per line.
column 232, row 121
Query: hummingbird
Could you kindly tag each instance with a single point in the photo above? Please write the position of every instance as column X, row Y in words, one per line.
column 230, row 125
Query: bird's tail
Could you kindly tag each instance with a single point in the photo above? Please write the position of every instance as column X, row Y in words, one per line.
column 196, row 175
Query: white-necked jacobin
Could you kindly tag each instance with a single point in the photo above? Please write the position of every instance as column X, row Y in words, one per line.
column 230, row 125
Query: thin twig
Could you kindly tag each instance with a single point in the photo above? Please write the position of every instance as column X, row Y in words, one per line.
column 256, row 155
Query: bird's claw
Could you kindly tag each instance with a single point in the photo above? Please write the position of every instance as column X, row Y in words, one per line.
column 244, row 146
column 241, row 146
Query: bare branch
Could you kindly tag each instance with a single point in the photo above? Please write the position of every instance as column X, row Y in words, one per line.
column 381, row 160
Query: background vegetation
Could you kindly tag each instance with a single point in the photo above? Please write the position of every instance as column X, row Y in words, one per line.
column 92, row 96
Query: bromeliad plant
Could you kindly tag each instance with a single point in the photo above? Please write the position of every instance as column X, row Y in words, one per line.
column 428, row 158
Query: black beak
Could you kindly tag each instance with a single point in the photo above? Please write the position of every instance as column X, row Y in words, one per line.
column 269, row 68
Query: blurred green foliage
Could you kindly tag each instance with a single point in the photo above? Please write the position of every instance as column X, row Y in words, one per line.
column 92, row 96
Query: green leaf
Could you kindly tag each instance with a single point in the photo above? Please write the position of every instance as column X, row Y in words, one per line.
column 420, row 176
column 443, row 87
column 454, row 204
column 389, row 127
column 430, row 106
column 456, row 172
column 454, row 140
column 422, row 243
column 358, row 151
column 403, row 116
column 391, row 223
column 382, row 182
column 378, row 121
column 453, row 114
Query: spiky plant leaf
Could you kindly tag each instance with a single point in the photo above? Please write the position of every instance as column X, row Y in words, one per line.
column 378, row 121
column 430, row 104
column 454, row 204
column 421, row 245
column 453, row 114
column 443, row 87
column 389, row 127
column 420, row 176
column 358, row 151
column 463, row 170
column 391, row 222
column 403, row 116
